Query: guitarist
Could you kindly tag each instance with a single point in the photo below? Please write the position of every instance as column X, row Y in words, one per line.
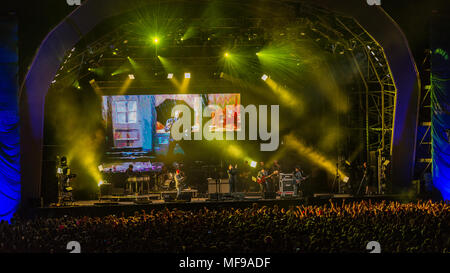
column 264, row 180
column 298, row 179
column 262, row 174
column 179, row 182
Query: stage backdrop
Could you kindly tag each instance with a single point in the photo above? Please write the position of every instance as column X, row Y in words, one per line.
column 440, row 104
column 9, row 121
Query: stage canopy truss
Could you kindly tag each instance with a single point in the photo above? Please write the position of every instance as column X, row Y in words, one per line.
column 373, row 107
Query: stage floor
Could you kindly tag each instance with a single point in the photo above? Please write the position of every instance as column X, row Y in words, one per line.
column 158, row 198
column 128, row 205
column 142, row 199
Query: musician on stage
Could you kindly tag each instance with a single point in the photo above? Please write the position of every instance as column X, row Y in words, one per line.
column 261, row 175
column 129, row 173
column 232, row 176
column 276, row 166
column 276, row 169
column 298, row 179
column 261, row 165
column 179, row 182
column 367, row 179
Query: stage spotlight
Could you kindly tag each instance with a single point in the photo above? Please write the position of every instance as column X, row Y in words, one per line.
column 226, row 54
column 170, row 75
column 253, row 164
column 100, row 183
column 131, row 76
column 264, row 77
column 155, row 40
column 76, row 84
column 187, row 75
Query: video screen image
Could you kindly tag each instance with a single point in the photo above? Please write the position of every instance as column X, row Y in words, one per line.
column 140, row 124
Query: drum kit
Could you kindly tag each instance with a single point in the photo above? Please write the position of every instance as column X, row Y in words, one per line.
column 167, row 183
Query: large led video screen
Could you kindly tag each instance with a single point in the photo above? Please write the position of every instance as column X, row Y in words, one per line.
column 142, row 122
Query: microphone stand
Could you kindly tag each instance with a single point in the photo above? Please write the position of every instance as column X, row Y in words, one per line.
column 360, row 184
column 337, row 178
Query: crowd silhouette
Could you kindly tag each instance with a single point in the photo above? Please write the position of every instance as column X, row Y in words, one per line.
column 345, row 227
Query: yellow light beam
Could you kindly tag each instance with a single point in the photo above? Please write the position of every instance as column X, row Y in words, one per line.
column 237, row 152
column 125, row 86
column 286, row 97
column 184, row 86
column 313, row 156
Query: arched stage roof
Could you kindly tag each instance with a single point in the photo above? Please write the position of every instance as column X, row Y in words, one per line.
column 91, row 13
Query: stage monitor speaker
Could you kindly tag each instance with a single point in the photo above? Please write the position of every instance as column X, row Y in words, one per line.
column 238, row 196
column 269, row 195
column 323, row 195
column 214, row 196
column 169, row 197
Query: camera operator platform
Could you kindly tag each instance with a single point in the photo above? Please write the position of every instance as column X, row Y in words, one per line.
column 64, row 176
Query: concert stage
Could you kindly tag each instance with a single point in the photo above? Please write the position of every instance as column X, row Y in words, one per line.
column 128, row 207
column 124, row 105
